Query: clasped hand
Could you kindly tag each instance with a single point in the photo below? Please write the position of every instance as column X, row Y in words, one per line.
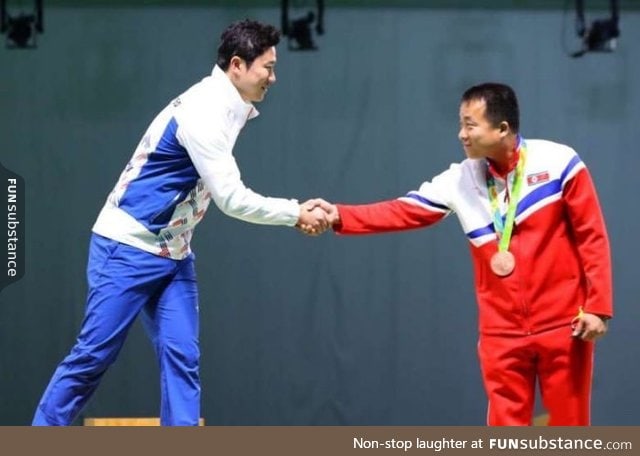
column 317, row 216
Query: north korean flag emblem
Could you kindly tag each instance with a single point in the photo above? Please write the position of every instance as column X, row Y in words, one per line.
column 537, row 178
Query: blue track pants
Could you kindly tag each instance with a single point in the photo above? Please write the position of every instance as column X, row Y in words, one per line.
column 123, row 281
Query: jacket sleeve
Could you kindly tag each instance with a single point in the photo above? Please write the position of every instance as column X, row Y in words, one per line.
column 591, row 241
column 385, row 216
column 210, row 150
column 418, row 208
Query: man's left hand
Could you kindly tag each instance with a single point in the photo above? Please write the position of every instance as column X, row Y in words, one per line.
column 589, row 327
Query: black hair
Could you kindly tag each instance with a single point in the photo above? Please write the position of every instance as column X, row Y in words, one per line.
column 501, row 103
column 248, row 40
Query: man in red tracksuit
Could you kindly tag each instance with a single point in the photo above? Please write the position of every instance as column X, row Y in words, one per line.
column 540, row 254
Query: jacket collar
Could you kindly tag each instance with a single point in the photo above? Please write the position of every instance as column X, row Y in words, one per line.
column 240, row 107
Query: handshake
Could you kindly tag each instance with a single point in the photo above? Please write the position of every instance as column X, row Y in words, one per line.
column 317, row 216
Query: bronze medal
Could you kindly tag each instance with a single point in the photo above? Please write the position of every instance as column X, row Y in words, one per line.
column 503, row 263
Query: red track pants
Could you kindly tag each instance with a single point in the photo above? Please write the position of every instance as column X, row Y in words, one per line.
column 562, row 365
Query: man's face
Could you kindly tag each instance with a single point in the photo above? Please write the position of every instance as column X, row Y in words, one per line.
column 253, row 81
column 478, row 136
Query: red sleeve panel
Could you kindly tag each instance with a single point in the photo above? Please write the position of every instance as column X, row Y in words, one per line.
column 385, row 216
column 591, row 241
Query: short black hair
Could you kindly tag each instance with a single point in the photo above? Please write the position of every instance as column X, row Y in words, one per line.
column 247, row 39
column 501, row 103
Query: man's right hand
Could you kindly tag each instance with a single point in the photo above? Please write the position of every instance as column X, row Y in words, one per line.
column 316, row 216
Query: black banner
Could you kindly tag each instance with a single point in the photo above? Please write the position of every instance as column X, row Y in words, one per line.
column 13, row 249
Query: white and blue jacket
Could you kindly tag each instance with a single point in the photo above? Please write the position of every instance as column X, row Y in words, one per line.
column 183, row 161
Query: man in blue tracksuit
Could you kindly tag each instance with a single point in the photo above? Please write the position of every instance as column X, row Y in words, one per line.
column 140, row 259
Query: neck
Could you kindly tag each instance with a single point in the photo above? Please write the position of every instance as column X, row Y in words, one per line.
column 506, row 157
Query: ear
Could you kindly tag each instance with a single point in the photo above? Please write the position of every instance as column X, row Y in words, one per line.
column 504, row 128
column 236, row 63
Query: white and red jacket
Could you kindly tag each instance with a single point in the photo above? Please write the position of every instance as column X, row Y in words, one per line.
column 559, row 239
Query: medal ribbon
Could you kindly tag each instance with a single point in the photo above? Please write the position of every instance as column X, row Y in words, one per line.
column 503, row 230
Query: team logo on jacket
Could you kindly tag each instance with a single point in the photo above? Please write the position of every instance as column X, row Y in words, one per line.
column 537, row 178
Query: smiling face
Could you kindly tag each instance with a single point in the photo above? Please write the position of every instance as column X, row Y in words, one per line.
column 479, row 137
column 252, row 81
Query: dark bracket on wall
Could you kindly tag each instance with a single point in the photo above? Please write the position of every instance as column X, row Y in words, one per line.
column 300, row 31
column 602, row 35
column 21, row 29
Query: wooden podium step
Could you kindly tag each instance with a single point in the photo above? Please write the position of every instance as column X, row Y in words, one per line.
column 127, row 421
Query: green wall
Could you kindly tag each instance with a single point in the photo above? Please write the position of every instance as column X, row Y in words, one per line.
column 295, row 330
